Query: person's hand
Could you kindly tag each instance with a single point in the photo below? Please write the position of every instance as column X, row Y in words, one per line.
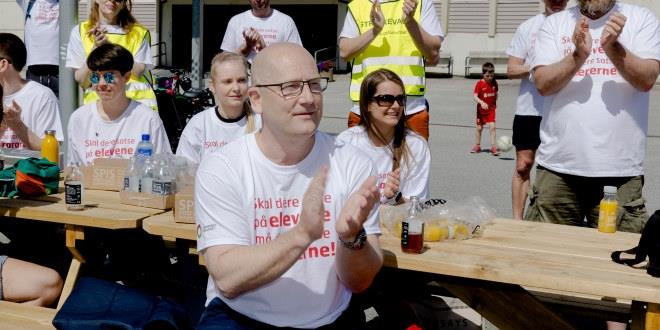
column 392, row 184
column 484, row 105
column 377, row 18
column 612, row 30
column 12, row 115
column 409, row 7
column 582, row 38
column 98, row 33
column 356, row 210
column 253, row 39
column 312, row 214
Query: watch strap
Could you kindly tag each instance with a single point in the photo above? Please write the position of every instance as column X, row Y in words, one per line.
column 357, row 243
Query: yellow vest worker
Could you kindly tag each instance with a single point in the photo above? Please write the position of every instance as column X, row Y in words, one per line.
column 137, row 88
column 392, row 49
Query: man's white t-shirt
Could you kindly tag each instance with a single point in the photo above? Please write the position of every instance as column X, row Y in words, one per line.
column 39, row 112
column 428, row 21
column 278, row 27
column 76, row 56
column 206, row 132
column 42, row 32
column 596, row 125
column 243, row 198
column 529, row 102
column 414, row 175
column 91, row 136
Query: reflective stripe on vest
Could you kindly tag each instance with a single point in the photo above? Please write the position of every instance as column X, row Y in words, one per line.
column 138, row 89
column 392, row 49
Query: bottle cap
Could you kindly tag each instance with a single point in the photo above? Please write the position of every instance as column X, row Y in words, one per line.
column 609, row 190
column 50, row 132
column 145, row 137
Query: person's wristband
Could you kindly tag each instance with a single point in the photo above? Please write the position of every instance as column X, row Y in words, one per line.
column 357, row 243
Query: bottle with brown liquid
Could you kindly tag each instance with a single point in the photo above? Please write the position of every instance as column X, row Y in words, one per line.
column 412, row 229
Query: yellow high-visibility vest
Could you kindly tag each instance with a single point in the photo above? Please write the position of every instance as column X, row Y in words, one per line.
column 393, row 48
column 137, row 88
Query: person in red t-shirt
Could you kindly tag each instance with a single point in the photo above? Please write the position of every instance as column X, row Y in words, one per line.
column 485, row 94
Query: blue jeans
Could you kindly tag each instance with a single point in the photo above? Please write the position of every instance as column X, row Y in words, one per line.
column 218, row 316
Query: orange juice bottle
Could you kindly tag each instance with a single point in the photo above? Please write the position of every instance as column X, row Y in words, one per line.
column 50, row 148
column 607, row 212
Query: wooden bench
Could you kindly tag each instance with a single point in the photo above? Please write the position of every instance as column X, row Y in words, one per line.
column 476, row 58
column 445, row 65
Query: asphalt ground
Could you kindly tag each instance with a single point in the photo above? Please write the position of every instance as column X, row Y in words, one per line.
column 455, row 173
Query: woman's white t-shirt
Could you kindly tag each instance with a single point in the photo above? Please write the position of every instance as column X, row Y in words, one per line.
column 414, row 175
column 91, row 137
column 243, row 198
column 206, row 132
column 76, row 56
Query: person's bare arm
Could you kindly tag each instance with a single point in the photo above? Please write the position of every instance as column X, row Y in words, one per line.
column 550, row 79
column 480, row 102
column 516, row 68
column 357, row 268
column 12, row 117
column 351, row 47
column 640, row 73
column 429, row 45
column 237, row 269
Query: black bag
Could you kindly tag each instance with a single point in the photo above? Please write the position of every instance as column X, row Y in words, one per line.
column 649, row 245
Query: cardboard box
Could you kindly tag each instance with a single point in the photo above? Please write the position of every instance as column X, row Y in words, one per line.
column 105, row 174
column 161, row 202
column 184, row 205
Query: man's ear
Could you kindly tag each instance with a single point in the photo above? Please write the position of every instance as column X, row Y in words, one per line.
column 255, row 99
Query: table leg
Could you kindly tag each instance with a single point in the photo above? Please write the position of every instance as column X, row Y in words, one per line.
column 74, row 233
column 652, row 317
column 507, row 306
column 71, row 278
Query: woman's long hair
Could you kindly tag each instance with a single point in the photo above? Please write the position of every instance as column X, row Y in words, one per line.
column 124, row 18
column 247, row 109
column 398, row 147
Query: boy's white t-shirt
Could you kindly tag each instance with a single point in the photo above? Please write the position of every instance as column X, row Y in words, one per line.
column 91, row 137
column 413, row 178
column 277, row 27
column 42, row 32
column 529, row 102
column 76, row 56
column 243, row 198
column 206, row 132
column 428, row 21
column 596, row 125
column 39, row 112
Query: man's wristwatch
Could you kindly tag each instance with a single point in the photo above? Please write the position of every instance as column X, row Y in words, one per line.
column 394, row 200
column 357, row 243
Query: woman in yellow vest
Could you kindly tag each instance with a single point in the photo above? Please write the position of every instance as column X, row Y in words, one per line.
column 111, row 21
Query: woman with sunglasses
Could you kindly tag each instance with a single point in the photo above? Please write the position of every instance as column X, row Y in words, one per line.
column 402, row 158
column 214, row 127
column 112, row 126
column 111, row 21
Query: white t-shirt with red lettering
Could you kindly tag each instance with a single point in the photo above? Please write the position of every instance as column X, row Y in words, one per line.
column 596, row 125
column 243, row 198
column 91, row 136
column 42, row 31
column 414, row 175
column 206, row 132
column 39, row 112
column 278, row 27
column 529, row 102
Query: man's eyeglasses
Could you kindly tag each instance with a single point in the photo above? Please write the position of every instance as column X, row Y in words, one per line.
column 95, row 78
column 386, row 100
column 292, row 89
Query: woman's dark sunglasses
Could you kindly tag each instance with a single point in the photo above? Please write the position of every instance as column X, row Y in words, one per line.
column 386, row 100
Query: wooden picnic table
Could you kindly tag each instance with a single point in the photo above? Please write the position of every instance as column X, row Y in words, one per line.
column 495, row 273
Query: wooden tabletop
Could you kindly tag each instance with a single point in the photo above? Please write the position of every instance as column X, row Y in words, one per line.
column 102, row 210
column 164, row 225
column 569, row 259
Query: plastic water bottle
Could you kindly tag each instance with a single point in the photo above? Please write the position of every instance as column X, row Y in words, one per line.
column 132, row 175
column 412, row 229
column 147, row 176
column 163, row 183
column 608, row 211
column 74, row 190
column 145, row 147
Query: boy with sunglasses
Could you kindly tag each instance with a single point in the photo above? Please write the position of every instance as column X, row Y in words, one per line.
column 28, row 108
column 111, row 127
column 485, row 94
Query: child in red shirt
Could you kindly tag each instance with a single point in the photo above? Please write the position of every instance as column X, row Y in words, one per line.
column 485, row 94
